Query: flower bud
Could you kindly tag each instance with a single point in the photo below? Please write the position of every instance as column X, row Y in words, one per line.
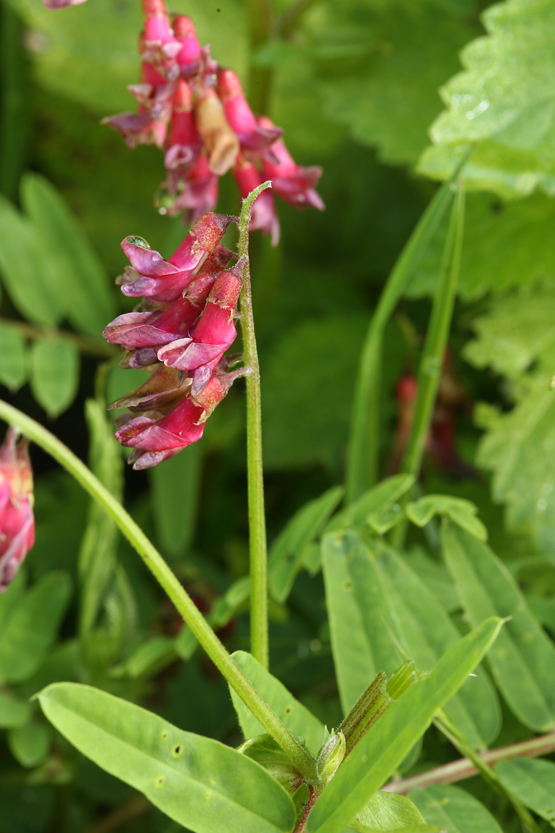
column 17, row 524
column 330, row 756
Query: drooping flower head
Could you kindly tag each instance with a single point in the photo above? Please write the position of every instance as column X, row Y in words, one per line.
column 180, row 333
column 17, row 523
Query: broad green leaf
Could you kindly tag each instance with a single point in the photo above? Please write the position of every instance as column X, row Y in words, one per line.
column 383, row 90
column 150, row 657
column 104, row 37
column 382, row 749
column 387, row 812
column 32, row 627
column 11, row 598
column 81, row 281
column 22, row 270
column 287, row 552
column 29, row 744
column 490, row 258
column 435, row 576
column 394, row 605
column 462, row 512
column 454, row 810
column 503, row 102
column 196, row 781
column 531, row 781
column 371, row 503
column 523, row 659
column 13, row 711
column 13, row 357
column 292, row 714
column 175, row 494
column 54, row 374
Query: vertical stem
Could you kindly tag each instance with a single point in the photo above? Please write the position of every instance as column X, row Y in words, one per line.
column 257, row 519
column 260, row 29
column 362, row 455
column 429, row 372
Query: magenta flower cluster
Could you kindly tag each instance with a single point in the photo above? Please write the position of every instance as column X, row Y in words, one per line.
column 197, row 112
column 184, row 325
column 17, row 523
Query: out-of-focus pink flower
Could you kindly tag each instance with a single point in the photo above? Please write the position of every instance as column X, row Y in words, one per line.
column 263, row 213
column 293, row 183
column 17, row 523
column 188, row 58
column 251, row 135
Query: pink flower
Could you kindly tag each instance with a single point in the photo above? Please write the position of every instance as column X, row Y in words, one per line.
column 240, row 116
column 290, row 181
column 17, row 524
column 188, row 58
column 263, row 214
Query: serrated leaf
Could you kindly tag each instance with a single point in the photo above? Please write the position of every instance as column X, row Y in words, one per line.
column 462, row 512
column 390, row 813
column 29, row 744
column 287, row 552
column 531, row 781
column 374, row 597
column 523, row 660
column 382, row 749
column 454, row 810
column 22, row 269
column 13, row 357
column 502, row 102
column 196, row 781
column 387, row 95
column 32, row 627
column 292, row 714
column 82, row 285
column 54, row 374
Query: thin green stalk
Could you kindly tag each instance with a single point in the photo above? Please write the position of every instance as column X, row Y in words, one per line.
column 168, row 581
column 429, row 372
column 260, row 31
column 464, row 768
column 255, row 473
column 362, row 456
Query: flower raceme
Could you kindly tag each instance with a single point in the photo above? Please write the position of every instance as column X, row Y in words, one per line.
column 185, row 324
column 17, row 523
column 198, row 114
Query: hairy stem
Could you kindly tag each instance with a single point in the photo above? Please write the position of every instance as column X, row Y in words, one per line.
column 255, row 474
column 464, row 768
column 431, row 364
column 167, row 580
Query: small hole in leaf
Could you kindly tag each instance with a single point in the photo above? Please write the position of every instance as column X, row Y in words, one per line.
column 164, row 735
column 348, row 585
column 288, row 710
column 177, row 750
column 160, row 781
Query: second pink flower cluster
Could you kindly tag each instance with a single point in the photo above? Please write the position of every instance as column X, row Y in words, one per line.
column 185, row 324
column 197, row 112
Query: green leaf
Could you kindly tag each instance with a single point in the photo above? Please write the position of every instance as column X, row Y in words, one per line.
column 54, row 374
column 13, row 712
column 382, row 749
column 287, row 552
column 29, row 744
column 386, row 94
column 11, row 598
column 454, row 810
column 462, row 512
column 292, row 714
column 374, row 597
column 13, row 357
column 523, row 660
column 503, row 101
column 23, row 271
column 387, row 812
column 81, row 281
column 490, row 260
column 369, row 505
column 32, row 627
column 196, row 781
column 531, row 781
column 175, row 494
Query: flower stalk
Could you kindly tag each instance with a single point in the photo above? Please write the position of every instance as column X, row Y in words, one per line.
column 257, row 518
column 168, row 581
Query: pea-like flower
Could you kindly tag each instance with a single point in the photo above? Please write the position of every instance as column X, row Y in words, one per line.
column 17, row 523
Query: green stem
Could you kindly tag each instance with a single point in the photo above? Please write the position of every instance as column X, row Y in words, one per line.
column 168, row 581
column 255, row 473
column 362, row 456
column 429, row 372
column 260, row 31
column 464, row 768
